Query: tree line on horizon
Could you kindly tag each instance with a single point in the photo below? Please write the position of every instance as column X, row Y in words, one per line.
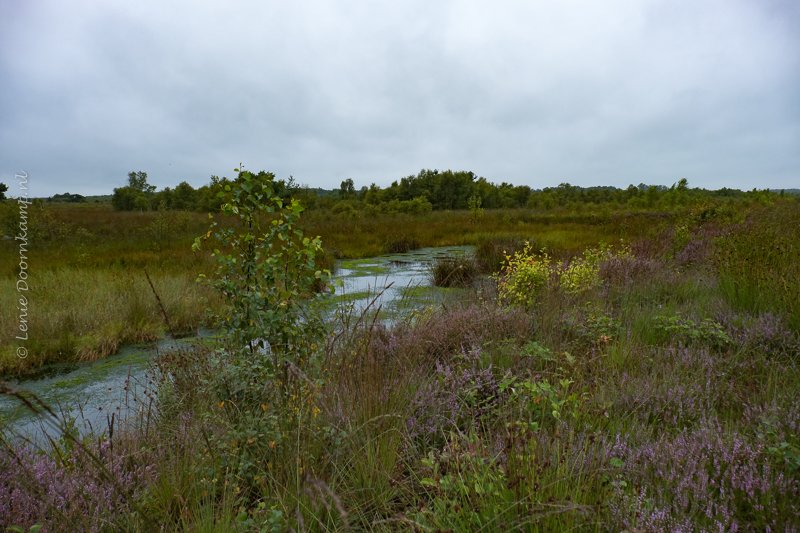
column 416, row 194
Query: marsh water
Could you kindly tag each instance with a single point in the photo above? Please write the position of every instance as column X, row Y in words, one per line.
column 94, row 395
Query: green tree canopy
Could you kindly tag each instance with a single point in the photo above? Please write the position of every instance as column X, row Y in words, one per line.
column 138, row 182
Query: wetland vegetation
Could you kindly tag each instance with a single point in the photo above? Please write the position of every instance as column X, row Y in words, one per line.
column 615, row 359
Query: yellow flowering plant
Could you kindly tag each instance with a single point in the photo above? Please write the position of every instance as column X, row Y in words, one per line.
column 523, row 276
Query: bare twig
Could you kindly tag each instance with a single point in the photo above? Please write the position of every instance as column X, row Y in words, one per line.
column 160, row 304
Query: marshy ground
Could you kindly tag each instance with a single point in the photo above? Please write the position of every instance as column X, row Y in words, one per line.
column 651, row 387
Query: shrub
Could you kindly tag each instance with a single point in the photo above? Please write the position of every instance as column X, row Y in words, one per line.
column 346, row 209
column 687, row 331
column 442, row 334
column 266, row 268
column 701, row 480
column 583, row 273
column 593, row 327
column 579, row 275
column 418, row 206
column 68, row 488
column 468, row 489
column 624, row 268
column 457, row 397
column 524, row 276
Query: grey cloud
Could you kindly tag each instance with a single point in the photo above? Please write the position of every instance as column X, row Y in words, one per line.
column 529, row 92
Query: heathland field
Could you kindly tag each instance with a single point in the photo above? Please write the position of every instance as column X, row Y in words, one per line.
column 87, row 264
column 608, row 366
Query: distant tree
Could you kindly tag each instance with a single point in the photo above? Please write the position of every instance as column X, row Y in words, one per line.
column 184, row 197
column 347, row 189
column 521, row 193
column 208, row 197
column 138, row 182
column 164, row 199
column 67, row 197
column 3, row 189
column 651, row 196
column 451, row 190
column 372, row 195
column 138, row 194
column 125, row 199
column 490, row 197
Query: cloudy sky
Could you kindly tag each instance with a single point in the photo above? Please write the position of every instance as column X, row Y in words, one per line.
column 531, row 92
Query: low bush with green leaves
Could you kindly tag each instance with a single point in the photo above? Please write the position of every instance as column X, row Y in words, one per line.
column 676, row 328
column 526, row 273
column 266, row 269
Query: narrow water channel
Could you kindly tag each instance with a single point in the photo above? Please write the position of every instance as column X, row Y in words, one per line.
column 122, row 384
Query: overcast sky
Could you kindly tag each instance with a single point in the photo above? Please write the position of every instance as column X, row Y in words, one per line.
column 529, row 92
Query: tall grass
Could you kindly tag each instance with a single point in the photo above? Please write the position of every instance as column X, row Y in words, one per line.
column 81, row 314
column 759, row 270
column 454, row 272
